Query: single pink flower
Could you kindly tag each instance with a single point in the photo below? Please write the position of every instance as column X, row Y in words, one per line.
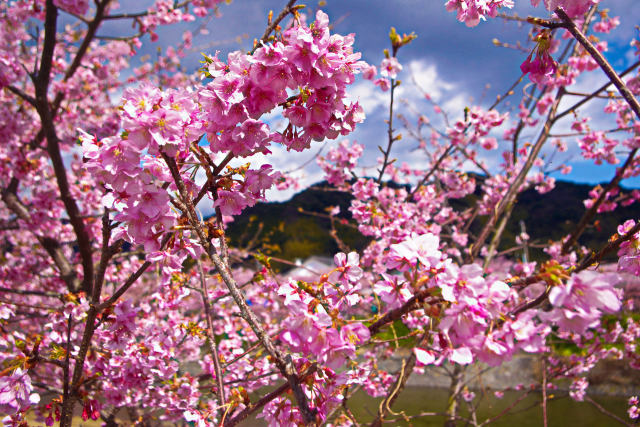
column 424, row 357
column 461, row 356
column 390, row 67
column 541, row 66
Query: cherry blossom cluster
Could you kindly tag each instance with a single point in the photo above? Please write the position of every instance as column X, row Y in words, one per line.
column 340, row 160
column 629, row 252
column 308, row 59
column 389, row 69
column 541, row 66
column 474, row 327
column 310, row 328
column 581, row 302
column 633, row 411
column 227, row 110
column 471, row 12
column 16, row 392
column 476, row 127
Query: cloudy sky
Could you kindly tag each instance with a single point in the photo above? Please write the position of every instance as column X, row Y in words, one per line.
column 456, row 65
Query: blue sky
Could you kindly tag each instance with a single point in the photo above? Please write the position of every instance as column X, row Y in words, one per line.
column 456, row 64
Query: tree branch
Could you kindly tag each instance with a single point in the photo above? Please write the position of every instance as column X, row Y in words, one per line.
column 597, row 56
column 283, row 14
column 593, row 210
column 401, row 381
column 31, row 100
column 284, row 364
column 52, row 246
column 251, row 408
column 213, row 347
column 53, row 148
column 596, row 92
column 397, row 313
column 517, row 182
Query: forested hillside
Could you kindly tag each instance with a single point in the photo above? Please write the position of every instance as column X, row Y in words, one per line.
column 300, row 227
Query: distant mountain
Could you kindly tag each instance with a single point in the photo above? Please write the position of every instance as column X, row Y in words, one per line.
column 553, row 215
column 288, row 230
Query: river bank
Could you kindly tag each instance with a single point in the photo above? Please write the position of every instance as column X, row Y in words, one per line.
column 608, row 378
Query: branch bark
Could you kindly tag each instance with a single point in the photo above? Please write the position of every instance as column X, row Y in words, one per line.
column 509, row 197
column 52, row 246
column 602, row 62
column 41, row 83
column 284, row 363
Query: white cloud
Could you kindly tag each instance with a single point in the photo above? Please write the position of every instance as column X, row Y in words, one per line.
column 427, row 78
column 370, row 97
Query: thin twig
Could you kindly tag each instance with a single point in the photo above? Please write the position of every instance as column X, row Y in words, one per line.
column 544, row 393
column 433, row 170
column 593, row 210
column 506, row 410
column 283, row 14
column 607, row 413
column 284, row 363
column 29, row 292
column 390, row 137
column 596, row 92
column 213, row 346
column 401, row 381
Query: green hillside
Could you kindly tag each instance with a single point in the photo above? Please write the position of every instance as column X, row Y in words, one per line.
column 290, row 229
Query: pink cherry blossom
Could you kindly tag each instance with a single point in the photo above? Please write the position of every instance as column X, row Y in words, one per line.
column 16, row 392
column 348, row 265
column 416, row 249
column 390, row 67
column 541, row 66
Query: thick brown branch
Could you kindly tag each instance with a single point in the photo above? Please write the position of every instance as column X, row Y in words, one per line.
column 602, row 62
column 46, row 60
column 53, row 147
column 397, row 313
column 250, row 409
